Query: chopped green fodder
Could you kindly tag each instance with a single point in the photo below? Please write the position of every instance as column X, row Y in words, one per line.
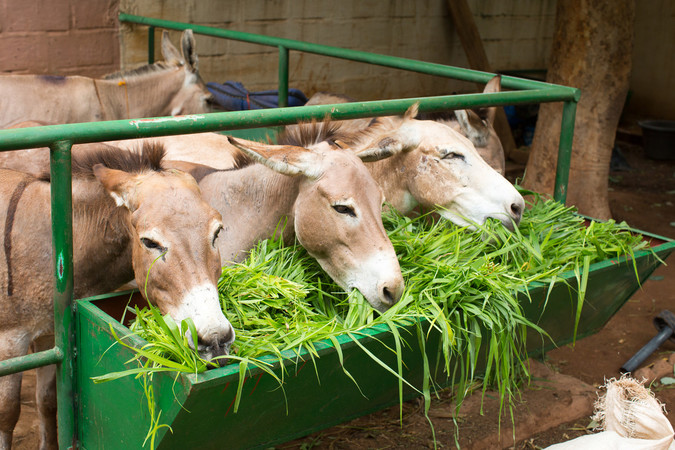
column 460, row 284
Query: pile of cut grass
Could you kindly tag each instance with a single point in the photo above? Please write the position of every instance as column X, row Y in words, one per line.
column 461, row 283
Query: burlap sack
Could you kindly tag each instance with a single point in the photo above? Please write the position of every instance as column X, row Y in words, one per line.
column 631, row 419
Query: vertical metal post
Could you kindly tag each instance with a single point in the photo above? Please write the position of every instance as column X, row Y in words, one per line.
column 151, row 44
column 562, row 173
column 64, row 324
column 283, row 76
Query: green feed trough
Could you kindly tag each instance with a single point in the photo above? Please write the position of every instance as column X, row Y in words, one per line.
column 200, row 408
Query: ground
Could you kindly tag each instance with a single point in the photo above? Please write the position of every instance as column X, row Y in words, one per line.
column 558, row 403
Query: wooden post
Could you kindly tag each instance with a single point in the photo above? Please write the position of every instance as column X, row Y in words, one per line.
column 475, row 53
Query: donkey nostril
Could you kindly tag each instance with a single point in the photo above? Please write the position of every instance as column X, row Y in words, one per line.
column 388, row 298
column 516, row 209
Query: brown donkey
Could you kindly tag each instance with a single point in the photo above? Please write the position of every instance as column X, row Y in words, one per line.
column 169, row 87
column 306, row 188
column 329, row 202
column 131, row 219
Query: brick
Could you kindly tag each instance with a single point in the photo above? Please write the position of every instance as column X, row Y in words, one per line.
column 327, row 10
column 249, row 69
column 217, row 12
column 25, row 54
column 265, row 10
column 176, row 10
column 83, row 48
column 512, row 7
column 95, row 14
column 97, row 71
column 37, row 15
column 509, row 28
column 210, row 46
column 134, row 46
column 236, row 48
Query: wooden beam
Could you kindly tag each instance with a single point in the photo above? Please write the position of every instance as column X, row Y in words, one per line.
column 467, row 30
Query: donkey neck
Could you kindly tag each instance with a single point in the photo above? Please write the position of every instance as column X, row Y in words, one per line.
column 101, row 240
column 139, row 95
column 253, row 202
column 392, row 175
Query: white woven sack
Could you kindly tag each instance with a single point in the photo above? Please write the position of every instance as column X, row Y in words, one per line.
column 632, row 419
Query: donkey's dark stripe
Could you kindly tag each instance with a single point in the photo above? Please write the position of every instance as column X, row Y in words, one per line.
column 9, row 223
column 55, row 79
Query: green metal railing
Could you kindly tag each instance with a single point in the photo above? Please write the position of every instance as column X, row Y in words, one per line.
column 60, row 138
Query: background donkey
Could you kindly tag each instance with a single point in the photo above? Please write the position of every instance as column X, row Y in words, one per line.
column 165, row 88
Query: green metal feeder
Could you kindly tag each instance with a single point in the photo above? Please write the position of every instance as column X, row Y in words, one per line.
column 316, row 394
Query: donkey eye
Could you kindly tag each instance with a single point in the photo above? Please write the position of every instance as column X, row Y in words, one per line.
column 344, row 209
column 453, row 155
column 215, row 235
column 151, row 245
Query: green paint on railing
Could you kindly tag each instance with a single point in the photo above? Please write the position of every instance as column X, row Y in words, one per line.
column 283, row 76
column 343, row 53
column 31, row 361
column 64, row 320
column 564, row 151
column 161, row 126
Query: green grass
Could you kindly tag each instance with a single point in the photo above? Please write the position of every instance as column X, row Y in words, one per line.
column 462, row 284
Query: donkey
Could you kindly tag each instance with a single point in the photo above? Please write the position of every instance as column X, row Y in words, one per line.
column 329, row 202
column 435, row 167
column 432, row 167
column 131, row 219
column 253, row 200
column 477, row 126
column 169, row 87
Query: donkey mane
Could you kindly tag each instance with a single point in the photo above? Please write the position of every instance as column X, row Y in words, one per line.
column 140, row 71
column 311, row 133
column 146, row 158
column 437, row 115
column 450, row 115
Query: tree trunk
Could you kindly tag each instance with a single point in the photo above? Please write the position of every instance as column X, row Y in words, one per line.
column 592, row 48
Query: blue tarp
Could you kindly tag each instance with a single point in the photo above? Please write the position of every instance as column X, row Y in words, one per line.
column 233, row 96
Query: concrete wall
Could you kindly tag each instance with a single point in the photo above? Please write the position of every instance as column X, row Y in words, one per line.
column 59, row 37
column 517, row 36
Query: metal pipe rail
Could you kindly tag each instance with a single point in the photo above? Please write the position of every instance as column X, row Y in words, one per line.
column 60, row 138
column 541, row 92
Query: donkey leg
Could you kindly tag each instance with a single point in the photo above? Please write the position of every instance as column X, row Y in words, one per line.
column 45, row 396
column 11, row 345
column 10, row 407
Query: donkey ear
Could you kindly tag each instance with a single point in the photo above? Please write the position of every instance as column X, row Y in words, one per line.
column 118, row 184
column 285, row 159
column 406, row 138
column 494, row 85
column 472, row 127
column 169, row 52
column 189, row 53
column 412, row 112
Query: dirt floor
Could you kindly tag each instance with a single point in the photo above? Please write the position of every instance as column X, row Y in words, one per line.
column 558, row 403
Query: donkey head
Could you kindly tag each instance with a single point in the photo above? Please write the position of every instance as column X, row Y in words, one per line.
column 175, row 259
column 337, row 217
column 193, row 97
column 439, row 168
